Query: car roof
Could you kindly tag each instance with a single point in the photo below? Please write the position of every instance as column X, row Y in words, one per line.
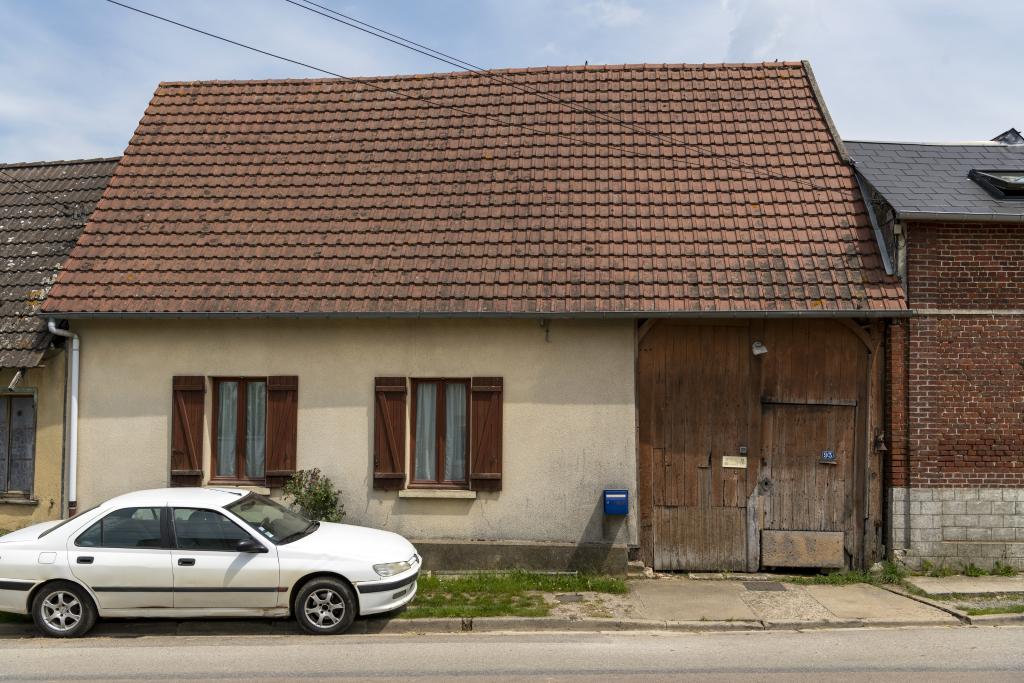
column 203, row 497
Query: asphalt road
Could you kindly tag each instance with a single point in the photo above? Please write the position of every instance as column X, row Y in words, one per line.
column 935, row 654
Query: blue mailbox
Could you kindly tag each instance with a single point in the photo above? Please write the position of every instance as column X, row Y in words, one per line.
column 616, row 502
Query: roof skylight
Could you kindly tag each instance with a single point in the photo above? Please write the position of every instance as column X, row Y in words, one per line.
column 1000, row 184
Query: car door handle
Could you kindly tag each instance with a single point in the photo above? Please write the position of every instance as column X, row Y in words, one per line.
column 186, row 561
column 84, row 559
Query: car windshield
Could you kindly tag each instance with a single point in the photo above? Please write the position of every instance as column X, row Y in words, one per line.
column 272, row 520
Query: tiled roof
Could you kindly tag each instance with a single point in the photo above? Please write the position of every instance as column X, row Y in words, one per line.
column 327, row 197
column 43, row 207
column 930, row 180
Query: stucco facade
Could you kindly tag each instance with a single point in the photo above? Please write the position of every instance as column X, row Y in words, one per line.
column 46, row 383
column 569, row 412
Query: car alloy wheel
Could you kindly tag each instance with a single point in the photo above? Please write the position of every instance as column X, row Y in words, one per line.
column 325, row 606
column 63, row 610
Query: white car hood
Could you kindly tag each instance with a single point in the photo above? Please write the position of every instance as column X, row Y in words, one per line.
column 344, row 541
column 29, row 533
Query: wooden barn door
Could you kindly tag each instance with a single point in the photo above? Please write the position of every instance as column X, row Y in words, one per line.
column 695, row 406
column 809, row 476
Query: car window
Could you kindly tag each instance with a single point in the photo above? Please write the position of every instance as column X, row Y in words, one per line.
column 272, row 520
column 197, row 529
column 124, row 528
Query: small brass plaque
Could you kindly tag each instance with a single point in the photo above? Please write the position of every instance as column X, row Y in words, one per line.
column 735, row 461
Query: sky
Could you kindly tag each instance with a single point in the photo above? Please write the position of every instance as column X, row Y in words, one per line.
column 75, row 75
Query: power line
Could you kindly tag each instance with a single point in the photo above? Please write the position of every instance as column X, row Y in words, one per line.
column 462, row 64
column 622, row 149
column 375, row 86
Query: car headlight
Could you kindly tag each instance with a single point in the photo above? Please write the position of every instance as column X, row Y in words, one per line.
column 392, row 568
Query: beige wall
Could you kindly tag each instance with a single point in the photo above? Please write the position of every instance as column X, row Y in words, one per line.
column 47, row 381
column 568, row 418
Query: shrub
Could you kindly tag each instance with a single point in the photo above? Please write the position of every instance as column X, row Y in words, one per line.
column 312, row 494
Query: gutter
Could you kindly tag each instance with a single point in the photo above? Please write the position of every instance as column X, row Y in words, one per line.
column 531, row 315
column 958, row 217
column 51, row 325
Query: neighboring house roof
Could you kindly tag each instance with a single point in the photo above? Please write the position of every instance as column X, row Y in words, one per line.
column 929, row 181
column 330, row 197
column 43, row 207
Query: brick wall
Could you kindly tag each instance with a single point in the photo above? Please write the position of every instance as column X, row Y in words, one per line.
column 965, row 265
column 956, row 397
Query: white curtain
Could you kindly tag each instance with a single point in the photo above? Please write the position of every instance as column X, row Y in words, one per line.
column 455, row 432
column 227, row 429
column 426, row 424
column 255, row 429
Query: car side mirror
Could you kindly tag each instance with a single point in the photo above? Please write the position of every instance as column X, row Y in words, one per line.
column 248, row 545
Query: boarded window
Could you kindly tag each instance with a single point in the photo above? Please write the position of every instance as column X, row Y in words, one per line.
column 17, row 444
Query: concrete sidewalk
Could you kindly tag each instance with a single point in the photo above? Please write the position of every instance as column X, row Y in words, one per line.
column 779, row 605
column 669, row 602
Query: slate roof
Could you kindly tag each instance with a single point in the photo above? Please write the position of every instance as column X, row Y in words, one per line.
column 929, row 181
column 328, row 197
column 43, row 208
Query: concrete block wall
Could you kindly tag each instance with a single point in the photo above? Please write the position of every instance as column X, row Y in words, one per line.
column 954, row 527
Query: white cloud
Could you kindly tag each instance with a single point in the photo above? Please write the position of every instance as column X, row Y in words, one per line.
column 613, row 13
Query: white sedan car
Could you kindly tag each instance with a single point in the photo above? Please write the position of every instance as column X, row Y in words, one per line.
column 214, row 552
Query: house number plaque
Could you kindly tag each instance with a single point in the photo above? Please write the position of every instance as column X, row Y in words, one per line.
column 735, row 461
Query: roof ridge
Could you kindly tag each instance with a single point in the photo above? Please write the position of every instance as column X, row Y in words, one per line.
column 506, row 71
column 953, row 143
column 35, row 164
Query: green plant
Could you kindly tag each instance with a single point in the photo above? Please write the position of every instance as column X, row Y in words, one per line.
column 1002, row 569
column 941, row 571
column 313, row 495
column 972, row 569
column 927, row 567
column 892, row 573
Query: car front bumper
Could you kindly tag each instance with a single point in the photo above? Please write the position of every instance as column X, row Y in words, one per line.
column 386, row 595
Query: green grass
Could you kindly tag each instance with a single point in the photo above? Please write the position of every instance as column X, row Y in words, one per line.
column 974, row 570
column 1000, row 569
column 4, row 531
column 891, row 574
column 981, row 611
column 512, row 594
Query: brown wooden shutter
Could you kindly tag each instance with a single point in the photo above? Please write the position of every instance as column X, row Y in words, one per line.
column 485, row 440
column 282, row 428
column 389, row 433
column 188, row 394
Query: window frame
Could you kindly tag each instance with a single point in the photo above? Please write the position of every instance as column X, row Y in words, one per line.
column 440, row 433
column 5, row 492
column 240, row 423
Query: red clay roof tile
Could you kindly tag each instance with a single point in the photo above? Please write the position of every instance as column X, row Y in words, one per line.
column 331, row 197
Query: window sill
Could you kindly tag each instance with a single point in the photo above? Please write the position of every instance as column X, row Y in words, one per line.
column 443, row 494
column 18, row 500
column 255, row 488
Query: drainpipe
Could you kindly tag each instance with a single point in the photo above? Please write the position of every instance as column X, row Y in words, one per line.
column 51, row 325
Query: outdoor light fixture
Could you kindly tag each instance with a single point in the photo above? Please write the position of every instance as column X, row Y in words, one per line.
column 758, row 348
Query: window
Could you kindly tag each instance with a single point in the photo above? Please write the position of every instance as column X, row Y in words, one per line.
column 439, row 422
column 17, row 444
column 272, row 520
column 240, row 429
column 124, row 528
column 196, row 529
column 1000, row 184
